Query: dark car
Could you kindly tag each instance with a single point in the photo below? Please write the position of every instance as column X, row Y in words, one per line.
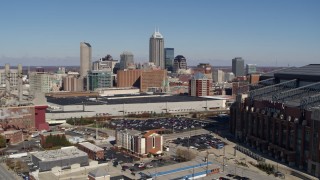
column 125, row 167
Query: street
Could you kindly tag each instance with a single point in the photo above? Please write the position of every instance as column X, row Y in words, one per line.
column 5, row 174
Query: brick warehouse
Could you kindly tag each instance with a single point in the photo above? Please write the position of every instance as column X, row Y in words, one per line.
column 280, row 116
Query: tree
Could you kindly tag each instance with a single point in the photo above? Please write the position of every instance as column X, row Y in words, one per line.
column 2, row 141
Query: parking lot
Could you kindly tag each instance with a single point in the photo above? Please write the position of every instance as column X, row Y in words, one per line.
column 200, row 142
column 172, row 124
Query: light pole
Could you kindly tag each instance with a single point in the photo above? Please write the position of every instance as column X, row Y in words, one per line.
column 96, row 128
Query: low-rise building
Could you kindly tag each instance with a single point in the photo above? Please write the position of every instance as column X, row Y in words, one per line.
column 94, row 152
column 64, row 157
column 13, row 136
column 140, row 143
column 99, row 174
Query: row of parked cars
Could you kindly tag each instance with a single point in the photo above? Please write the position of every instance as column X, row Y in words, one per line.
column 200, row 142
column 175, row 124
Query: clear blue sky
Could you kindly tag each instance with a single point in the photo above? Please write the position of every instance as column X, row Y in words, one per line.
column 272, row 32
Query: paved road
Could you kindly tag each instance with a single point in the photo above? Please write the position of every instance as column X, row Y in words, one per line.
column 5, row 174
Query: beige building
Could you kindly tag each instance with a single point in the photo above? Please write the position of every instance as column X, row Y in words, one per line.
column 72, row 83
column 85, row 58
column 40, row 82
column 156, row 49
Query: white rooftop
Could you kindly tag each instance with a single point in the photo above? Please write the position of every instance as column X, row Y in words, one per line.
column 156, row 34
column 60, row 154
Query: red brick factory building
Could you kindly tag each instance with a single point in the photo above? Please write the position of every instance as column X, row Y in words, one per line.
column 94, row 152
column 280, row 116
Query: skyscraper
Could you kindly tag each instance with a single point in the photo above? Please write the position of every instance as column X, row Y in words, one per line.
column 85, row 59
column 180, row 62
column 156, row 49
column 238, row 66
column 169, row 56
column 251, row 68
column 126, row 60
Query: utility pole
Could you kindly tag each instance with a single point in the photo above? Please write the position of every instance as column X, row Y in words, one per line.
column 207, row 162
column 96, row 128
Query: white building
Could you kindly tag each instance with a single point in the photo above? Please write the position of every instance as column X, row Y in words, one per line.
column 229, row 76
column 218, row 76
column 40, row 82
column 117, row 105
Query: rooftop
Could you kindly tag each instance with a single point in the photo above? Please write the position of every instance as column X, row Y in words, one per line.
column 10, row 132
column 99, row 172
column 59, row 154
column 53, row 133
column 156, row 34
column 91, row 146
column 123, row 99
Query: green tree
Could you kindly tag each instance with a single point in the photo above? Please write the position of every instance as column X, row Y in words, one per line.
column 2, row 141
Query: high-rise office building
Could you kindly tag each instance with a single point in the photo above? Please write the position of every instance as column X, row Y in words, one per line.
column 179, row 62
column 105, row 63
column 156, row 49
column 218, row 76
column 40, row 82
column 169, row 57
column 200, row 85
column 251, row 68
column 238, row 66
column 126, row 60
column 85, row 59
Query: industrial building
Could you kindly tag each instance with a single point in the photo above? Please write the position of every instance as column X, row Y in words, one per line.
column 63, row 108
column 12, row 136
column 94, row 152
column 280, row 116
column 64, row 158
column 140, row 143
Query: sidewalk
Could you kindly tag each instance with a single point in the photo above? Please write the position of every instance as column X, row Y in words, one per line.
column 229, row 152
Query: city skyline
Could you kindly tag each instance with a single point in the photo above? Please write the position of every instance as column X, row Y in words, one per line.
column 271, row 33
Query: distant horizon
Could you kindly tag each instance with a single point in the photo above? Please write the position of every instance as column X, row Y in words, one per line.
column 277, row 33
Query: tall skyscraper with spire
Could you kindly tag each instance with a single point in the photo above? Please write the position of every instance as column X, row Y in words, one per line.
column 156, row 49
column 85, row 59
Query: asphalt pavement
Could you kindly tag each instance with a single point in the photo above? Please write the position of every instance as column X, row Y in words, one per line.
column 5, row 174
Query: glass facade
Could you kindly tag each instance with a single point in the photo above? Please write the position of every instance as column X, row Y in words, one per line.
column 169, row 56
column 99, row 79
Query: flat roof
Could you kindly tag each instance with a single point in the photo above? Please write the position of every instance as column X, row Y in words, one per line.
column 91, row 146
column 60, row 154
column 52, row 133
column 10, row 132
column 124, row 99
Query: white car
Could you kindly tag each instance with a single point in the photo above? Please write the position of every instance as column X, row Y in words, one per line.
column 149, row 166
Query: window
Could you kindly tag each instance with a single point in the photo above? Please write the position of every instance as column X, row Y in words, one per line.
column 153, row 142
